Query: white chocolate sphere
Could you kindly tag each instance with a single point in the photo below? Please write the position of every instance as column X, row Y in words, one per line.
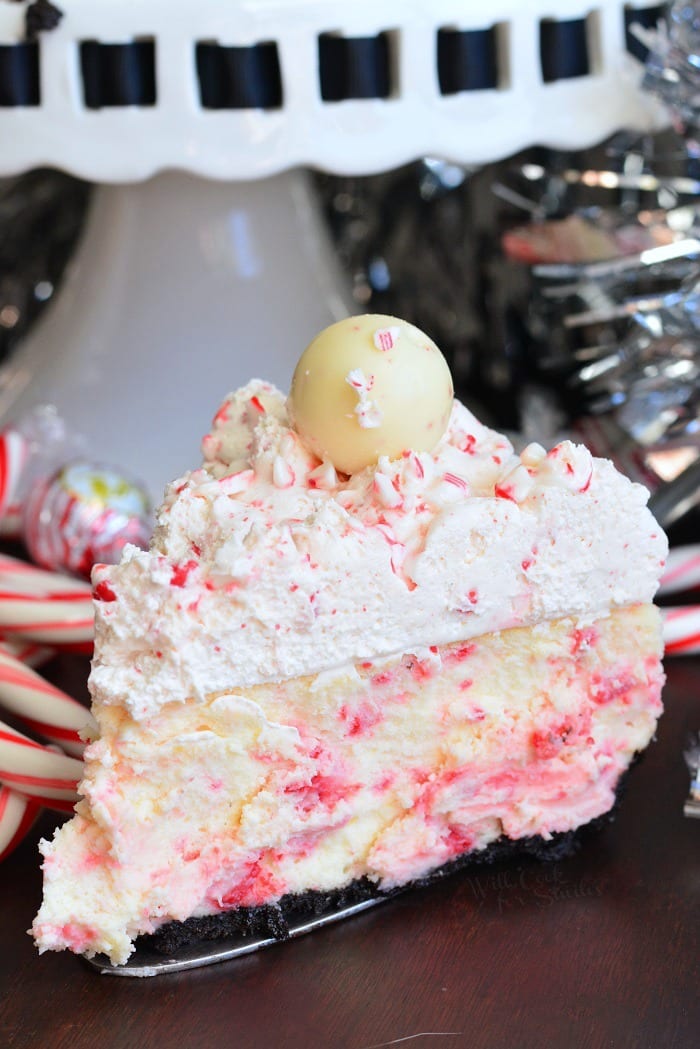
column 370, row 386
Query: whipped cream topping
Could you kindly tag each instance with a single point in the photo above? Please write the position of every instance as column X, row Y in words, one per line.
column 267, row 563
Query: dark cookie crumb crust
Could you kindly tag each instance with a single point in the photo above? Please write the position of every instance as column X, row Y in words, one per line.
column 273, row 920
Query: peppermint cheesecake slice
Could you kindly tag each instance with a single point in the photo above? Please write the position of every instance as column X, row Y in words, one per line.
column 367, row 639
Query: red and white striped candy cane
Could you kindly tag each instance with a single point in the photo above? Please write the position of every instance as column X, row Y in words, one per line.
column 41, row 773
column 25, row 578
column 29, row 653
column 682, row 571
column 42, row 707
column 681, row 630
column 44, row 607
column 14, row 452
column 17, row 814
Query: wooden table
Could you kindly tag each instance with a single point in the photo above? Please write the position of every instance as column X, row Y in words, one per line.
column 600, row 950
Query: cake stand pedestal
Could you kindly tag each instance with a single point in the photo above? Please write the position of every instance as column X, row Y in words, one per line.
column 168, row 305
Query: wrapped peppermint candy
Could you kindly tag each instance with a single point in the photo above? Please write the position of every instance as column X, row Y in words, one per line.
column 30, row 449
column 70, row 511
column 84, row 514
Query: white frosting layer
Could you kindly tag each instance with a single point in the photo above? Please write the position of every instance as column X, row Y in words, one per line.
column 266, row 565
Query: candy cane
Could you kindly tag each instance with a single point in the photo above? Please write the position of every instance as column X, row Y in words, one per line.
column 11, row 522
column 24, row 578
column 28, row 653
column 43, row 607
column 41, row 706
column 17, row 814
column 681, row 630
column 682, row 571
column 39, row 772
column 14, row 451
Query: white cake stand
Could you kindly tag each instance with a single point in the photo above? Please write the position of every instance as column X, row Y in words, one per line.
column 184, row 287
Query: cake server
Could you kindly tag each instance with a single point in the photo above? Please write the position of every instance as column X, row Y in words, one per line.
column 149, row 962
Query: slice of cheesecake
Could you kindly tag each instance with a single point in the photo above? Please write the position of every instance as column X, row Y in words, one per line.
column 318, row 678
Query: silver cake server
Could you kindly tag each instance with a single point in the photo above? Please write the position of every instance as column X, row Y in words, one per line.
column 146, row 961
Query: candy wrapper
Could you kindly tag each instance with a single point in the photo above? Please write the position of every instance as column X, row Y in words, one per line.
column 70, row 512
column 31, row 449
column 83, row 515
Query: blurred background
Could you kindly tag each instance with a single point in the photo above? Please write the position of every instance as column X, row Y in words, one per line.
column 563, row 286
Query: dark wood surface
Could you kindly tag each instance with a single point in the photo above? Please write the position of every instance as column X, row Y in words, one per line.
column 599, row 950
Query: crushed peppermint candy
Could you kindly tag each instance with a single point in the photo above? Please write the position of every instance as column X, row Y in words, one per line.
column 387, row 495
column 386, row 338
column 569, row 466
column 533, row 454
column 516, row 485
column 368, row 414
column 323, row 477
column 282, row 474
column 232, row 484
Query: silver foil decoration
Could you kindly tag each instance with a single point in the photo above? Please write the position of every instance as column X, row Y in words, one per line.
column 607, row 263
column 673, row 67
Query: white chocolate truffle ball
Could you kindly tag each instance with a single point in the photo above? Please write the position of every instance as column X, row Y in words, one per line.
column 370, row 386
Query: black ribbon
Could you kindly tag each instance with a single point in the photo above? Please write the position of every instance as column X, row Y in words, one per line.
column 118, row 74
column 354, row 67
column 19, row 75
column 564, row 49
column 467, row 60
column 239, row 77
